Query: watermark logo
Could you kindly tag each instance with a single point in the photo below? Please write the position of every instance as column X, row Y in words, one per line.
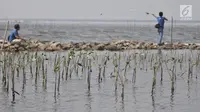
column 186, row 12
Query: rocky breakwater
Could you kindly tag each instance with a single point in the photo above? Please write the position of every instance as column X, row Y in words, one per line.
column 36, row 45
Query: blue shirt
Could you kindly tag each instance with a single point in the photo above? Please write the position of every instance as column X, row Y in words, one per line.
column 13, row 35
column 161, row 21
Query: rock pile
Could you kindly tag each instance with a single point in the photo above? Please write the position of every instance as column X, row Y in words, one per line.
column 36, row 45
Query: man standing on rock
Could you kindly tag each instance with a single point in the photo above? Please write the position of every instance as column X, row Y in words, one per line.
column 161, row 21
column 14, row 34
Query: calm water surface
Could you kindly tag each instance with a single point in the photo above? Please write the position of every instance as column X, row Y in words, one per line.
column 104, row 32
column 74, row 95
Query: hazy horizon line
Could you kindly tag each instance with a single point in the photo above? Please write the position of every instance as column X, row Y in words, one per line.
column 78, row 19
column 91, row 20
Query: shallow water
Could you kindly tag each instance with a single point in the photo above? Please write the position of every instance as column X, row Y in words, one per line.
column 104, row 32
column 74, row 95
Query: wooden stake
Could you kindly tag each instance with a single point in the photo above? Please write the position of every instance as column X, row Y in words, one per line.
column 13, row 84
column 5, row 34
column 171, row 30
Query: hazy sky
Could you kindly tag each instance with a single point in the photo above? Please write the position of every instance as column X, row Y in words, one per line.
column 91, row 9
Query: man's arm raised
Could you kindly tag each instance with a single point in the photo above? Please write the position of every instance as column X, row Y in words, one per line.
column 154, row 15
column 166, row 19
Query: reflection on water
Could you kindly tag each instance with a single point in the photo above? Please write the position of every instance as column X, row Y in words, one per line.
column 88, row 101
column 161, row 84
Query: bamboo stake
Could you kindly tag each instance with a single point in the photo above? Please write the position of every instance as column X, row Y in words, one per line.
column 58, row 65
column 189, row 69
column 4, row 72
column 122, row 83
column 134, row 75
column 58, row 88
column 36, row 69
column 171, row 31
column 31, row 71
column 67, row 67
column 99, row 76
column 116, row 72
column 63, row 70
column 7, row 82
column 17, row 71
column 76, row 66
column 161, row 70
column 125, row 69
column 55, row 71
column 154, row 80
column 104, row 67
column 23, row 69
column 55, row 85
column 89, row 74
column 46, row 77
column 13, row 85
column 43, row 73
column 5, row 34
column 64, row 65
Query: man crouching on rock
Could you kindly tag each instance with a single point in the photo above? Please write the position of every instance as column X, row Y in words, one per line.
column 14, row 34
